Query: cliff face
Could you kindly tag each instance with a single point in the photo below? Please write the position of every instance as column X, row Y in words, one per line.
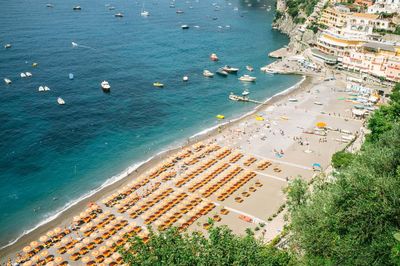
column 299, row 39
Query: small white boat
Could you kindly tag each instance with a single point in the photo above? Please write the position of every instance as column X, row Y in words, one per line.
column 7, row 46
column 250, row 68
column 179, row 11
column 7, row 81
column 247, row 78
column 144, row 13
column 185, row 78
column 267, row 70
column 119, row 15
column 214, row 57
column 105, row 86
column 185, row 27
column 208, row 74
column 49, row 5
column 111, row 8
column 41, row 88
column 28, row 74
column 77, row 8
column 71, row 76
column 60, row 101
column 23, row 75
column 230, row 69
column 245, row 93
column 317, row 103
column 46, row 88
column 293, row 100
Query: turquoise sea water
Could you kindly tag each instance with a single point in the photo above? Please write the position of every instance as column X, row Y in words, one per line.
column 51, row 155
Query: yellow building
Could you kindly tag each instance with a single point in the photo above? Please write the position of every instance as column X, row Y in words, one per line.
column 334, row 17
column 338, row 45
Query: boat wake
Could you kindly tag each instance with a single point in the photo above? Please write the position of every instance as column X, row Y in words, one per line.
column 74, row 44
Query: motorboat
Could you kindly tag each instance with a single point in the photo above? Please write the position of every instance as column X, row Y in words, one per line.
column 71, row 76
column 220, row 116
column 185, row 27
column 208, row 74
column 49, row 5
column 158, row 84
column 7, row 81
column 179, row 11
column 23, row 75
column 245, row 93
column 214, row 57
column 293, row 100
column 111, row 8
column 8, row 45
column 247, row 78
column 222, row 72
column 268, row 70
column 105, row 86
column 77, row 8
column 172, row 6
column 119, row 15
column 185, row 78
column 28, row 74
column 144, row 13
column 46, row 88
column 35, row 64
column 234, row 97
column 60, row 101
column 41, row 88
column 250, row 68
column 317, row 103
column 230, row 69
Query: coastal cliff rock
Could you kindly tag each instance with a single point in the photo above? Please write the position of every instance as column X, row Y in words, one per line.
column 300, row 38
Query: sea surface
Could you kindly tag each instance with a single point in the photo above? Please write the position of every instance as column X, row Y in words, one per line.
column 53, row 155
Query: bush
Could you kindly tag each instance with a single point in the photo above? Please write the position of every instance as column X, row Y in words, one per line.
column 341, row 159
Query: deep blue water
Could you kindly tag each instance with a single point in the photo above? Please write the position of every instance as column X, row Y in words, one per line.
column 50, row 151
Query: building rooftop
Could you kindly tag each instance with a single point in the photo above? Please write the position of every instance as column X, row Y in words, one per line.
column 379, row 46
column 365, row 15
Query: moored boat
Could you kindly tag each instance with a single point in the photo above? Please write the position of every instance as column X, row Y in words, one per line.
column 105, row 86
column 23, row 75
column 158, row 84
column 230, row 69
column 60, row 101
column 179, row 11
column 49, row 5
column 208, row 73
column 185, row 27
column 214, row 57
column 41, row 88
column 222, row 72
column 145, row 13
column 7, row 46
column 77, row 8
column 250, row 68
column 185, row 78
column 119, row 15
column 71, row 76
column 7, row 81
column 28, row 74
column 247, row 78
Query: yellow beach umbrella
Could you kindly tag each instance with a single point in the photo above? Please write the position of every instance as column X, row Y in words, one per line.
column 57, row 230
column 34, row 244
column 71, row 251
column 65, row 240
column 44, row 253
column 79, row 245
column 321, row 124
column 85, row 259
column 86, row 241
column 76, row 218
column 27, row 263
column 35, row 258
column 26, row 249
column 43, row 238
column 109, row 243
column 95, row 253
column 116, row 256
column 58, row 245
column 58, row 260
column 102, row 249
column 108, row 260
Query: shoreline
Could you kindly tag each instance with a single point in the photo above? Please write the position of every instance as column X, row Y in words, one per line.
column 63, row 217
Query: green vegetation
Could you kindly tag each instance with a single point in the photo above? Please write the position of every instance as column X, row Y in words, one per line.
column 383, row 32
column 298, row 10
column 342, row 159
column 221, row 247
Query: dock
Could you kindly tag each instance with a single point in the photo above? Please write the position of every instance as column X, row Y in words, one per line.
column 238, row 98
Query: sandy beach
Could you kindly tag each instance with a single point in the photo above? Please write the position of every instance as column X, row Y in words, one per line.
column 234, row 174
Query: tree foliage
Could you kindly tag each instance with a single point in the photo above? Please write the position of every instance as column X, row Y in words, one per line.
column 341, row 159
column 220, row 247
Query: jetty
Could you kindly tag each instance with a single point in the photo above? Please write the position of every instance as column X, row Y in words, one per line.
column 242, row 98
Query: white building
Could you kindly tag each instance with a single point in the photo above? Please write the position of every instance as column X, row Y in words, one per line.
column 385, row 6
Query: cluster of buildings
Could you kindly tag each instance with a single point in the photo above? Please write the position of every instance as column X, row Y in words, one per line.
column 354, row 41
